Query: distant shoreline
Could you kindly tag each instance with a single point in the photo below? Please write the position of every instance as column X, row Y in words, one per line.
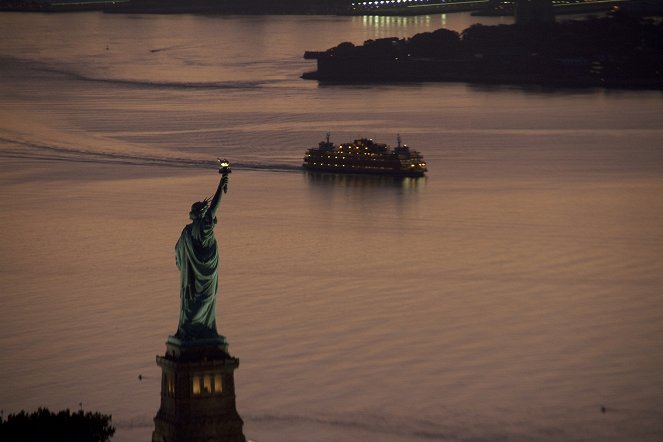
column 57, row 7
column 615, row 52
column 208, row 7
column 283, row 7
column 490, row 80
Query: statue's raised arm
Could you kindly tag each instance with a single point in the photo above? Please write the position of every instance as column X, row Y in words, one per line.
column 197, row 258
column 220, row 190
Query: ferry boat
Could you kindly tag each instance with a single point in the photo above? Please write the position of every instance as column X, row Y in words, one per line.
column 365, row 156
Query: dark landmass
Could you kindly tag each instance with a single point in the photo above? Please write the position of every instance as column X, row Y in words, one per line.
column 63, row 426
column 618, row 51
column 508, row 7
column 58, row 6
column 254, row 7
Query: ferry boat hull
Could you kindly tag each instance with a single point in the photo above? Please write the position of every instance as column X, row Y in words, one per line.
column 363, row 171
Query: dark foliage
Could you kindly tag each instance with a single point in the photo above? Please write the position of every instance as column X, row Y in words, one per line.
column 616, row 36
column 613, row 37
column 619, row 51
column 23, row 5
column 441, row 43
column 63, row 426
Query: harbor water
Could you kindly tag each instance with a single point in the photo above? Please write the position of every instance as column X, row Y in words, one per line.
column 513, row 294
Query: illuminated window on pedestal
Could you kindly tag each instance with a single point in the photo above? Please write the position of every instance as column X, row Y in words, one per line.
column 218, row 386
column 196, row 385
column 206, row 384
column 170, row 385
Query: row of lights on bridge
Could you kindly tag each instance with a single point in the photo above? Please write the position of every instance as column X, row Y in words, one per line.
column 379, row 3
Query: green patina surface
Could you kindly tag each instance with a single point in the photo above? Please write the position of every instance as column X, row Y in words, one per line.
column 197, row 258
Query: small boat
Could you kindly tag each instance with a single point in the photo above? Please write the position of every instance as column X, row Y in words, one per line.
column 366, row 157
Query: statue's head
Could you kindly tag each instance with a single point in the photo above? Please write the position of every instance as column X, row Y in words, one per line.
column 198, row 210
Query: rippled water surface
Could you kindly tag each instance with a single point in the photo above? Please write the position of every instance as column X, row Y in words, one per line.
column 507, row 296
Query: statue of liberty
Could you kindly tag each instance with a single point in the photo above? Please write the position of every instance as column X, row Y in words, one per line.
column 197, row 258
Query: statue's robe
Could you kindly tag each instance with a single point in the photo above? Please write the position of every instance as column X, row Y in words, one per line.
column 197, row 258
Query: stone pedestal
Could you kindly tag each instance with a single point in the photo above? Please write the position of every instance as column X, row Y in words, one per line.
column 197, row 393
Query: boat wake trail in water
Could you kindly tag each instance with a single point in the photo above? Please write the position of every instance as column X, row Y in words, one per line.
column 174, row 48
column 211, row 85
column 142, row 421
column 46, row 152
column 215, row 85
column 71, row 73
column 377, row 426
column 374, row 427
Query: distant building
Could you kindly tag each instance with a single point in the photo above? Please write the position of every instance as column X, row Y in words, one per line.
column 643, row 7
column 528, row 11
column 413, row 7
column 544, row 10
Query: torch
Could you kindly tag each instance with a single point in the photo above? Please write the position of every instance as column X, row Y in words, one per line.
column 224, row 170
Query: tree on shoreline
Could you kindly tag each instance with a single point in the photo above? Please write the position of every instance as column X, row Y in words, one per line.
column 63, row 426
